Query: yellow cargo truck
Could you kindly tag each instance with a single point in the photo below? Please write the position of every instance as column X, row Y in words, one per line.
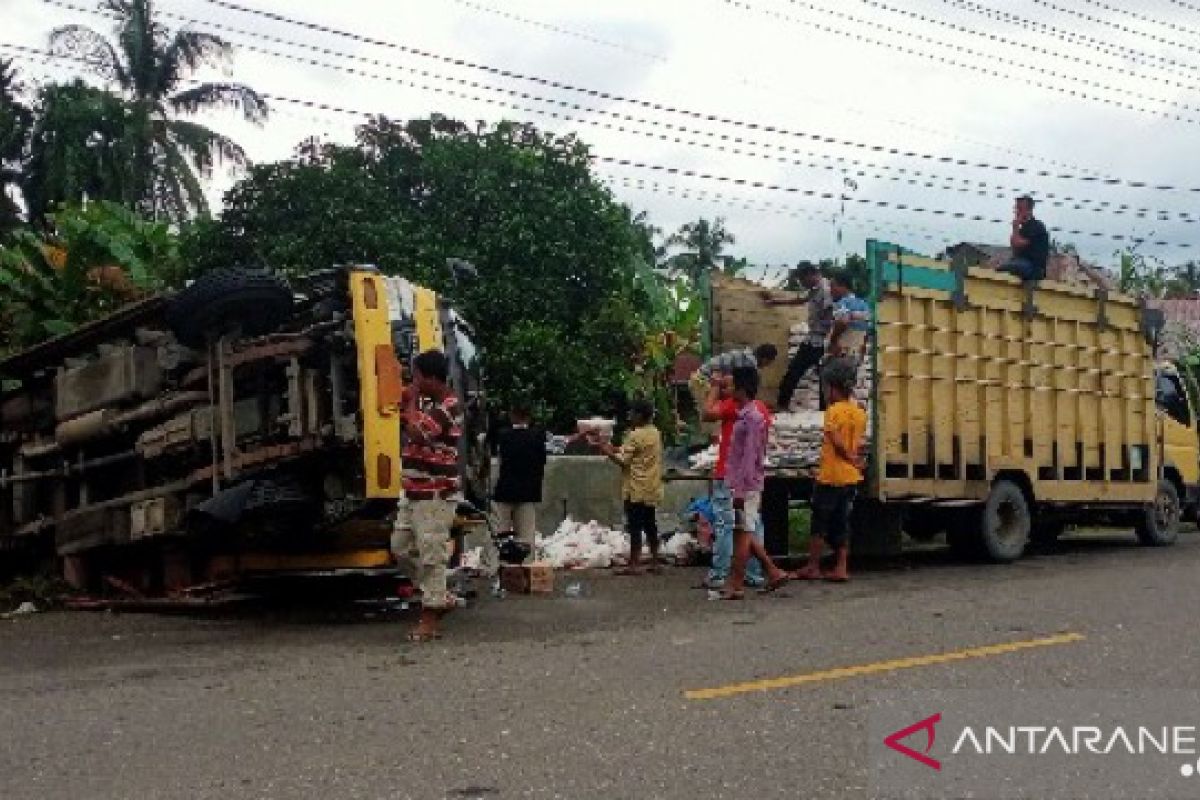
column 1003, row 410
column 1000, row 412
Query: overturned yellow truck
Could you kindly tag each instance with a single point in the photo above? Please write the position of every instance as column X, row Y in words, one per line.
column 1004, row 412
column 241, row 425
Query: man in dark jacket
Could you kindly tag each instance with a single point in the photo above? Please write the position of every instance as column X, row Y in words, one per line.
column 522, row 450
column 1030, row 242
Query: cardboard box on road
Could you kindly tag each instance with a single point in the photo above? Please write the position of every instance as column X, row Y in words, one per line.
column 541, row 578
column 536, row 578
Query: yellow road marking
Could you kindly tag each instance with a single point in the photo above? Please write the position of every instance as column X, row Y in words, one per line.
column 858, row 670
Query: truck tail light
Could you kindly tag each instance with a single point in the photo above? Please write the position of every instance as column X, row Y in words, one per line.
column 383, row 471
column 389, row 387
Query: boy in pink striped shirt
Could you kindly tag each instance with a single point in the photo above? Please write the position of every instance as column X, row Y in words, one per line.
column 745, row 472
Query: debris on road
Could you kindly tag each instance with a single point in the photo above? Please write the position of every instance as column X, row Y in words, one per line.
column 23, row 610
column 583, row 546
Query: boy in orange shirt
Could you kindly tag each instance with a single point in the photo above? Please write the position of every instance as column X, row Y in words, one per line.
column 838, row 474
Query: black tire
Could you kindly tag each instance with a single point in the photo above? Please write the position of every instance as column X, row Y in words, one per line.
column 1159, row 523
column 256, row 301
column 923, row 525
column 1005, row 523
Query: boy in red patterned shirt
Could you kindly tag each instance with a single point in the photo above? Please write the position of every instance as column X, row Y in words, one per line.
column 430, row 462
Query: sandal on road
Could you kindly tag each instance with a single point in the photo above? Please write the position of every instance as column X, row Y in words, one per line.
column 777, row 584
column 731, row 596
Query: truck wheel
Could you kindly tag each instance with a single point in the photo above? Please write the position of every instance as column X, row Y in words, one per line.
column 255, row 300
column 1004, row 523
column 1159, row 525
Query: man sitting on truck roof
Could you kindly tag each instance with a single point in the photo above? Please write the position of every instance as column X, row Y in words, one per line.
column 1030, row 243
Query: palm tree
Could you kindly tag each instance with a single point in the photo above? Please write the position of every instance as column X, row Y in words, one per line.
column 702, row 242
column 150, row 67
column 79, row 149
column 15, row 120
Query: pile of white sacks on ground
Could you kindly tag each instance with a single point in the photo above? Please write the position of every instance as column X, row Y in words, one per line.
column 591, row 545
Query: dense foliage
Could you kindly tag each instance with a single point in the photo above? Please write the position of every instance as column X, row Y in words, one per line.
column 129, row 141
column 88, row 263
column 556, row 302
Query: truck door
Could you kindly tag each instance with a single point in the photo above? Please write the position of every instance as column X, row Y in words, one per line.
column 1180, row 443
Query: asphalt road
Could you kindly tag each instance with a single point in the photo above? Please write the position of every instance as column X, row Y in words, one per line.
column 573, row 697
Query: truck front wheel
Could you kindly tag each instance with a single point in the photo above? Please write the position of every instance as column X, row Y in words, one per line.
column 1004, row 523
column 1159, row 524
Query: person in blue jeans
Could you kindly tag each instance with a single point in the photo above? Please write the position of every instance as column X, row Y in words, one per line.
column 722, row 555
column 719, row 406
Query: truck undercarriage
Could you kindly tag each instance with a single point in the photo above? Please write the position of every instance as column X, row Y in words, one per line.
column 216, row 431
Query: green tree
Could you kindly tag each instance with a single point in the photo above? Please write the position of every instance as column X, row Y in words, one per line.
column 89, row 262
column 699, row 246
column 556, row 304
column 15, row 120
column 79, row 149
column 149, row 66
column 1135, row 275
column 1184, row 280
column 854, row 267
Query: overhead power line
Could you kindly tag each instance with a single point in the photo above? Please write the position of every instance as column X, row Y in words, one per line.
column 661, row 107
column 942, row 59
column 756, row 184
column 897, row 228
column 875, row 116
column 1140, row 57
column 1116, row 26
column 583, row 37
column 837, row 165
column 957, row 215
column 1033, row 48
column 827, row 217
column 943, row 213
column 1142, row 17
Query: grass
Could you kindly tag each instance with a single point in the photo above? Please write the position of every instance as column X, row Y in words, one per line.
column 799, row 524
column 44, row 590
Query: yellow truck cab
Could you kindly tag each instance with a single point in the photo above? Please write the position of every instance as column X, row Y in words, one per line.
column 1181, row 445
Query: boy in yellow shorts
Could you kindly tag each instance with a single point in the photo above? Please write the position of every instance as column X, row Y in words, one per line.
column 838, row 474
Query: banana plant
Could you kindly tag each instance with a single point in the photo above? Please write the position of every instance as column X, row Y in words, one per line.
column 93, row 260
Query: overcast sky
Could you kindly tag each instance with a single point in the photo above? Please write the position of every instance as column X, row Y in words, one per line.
column 833, row 68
